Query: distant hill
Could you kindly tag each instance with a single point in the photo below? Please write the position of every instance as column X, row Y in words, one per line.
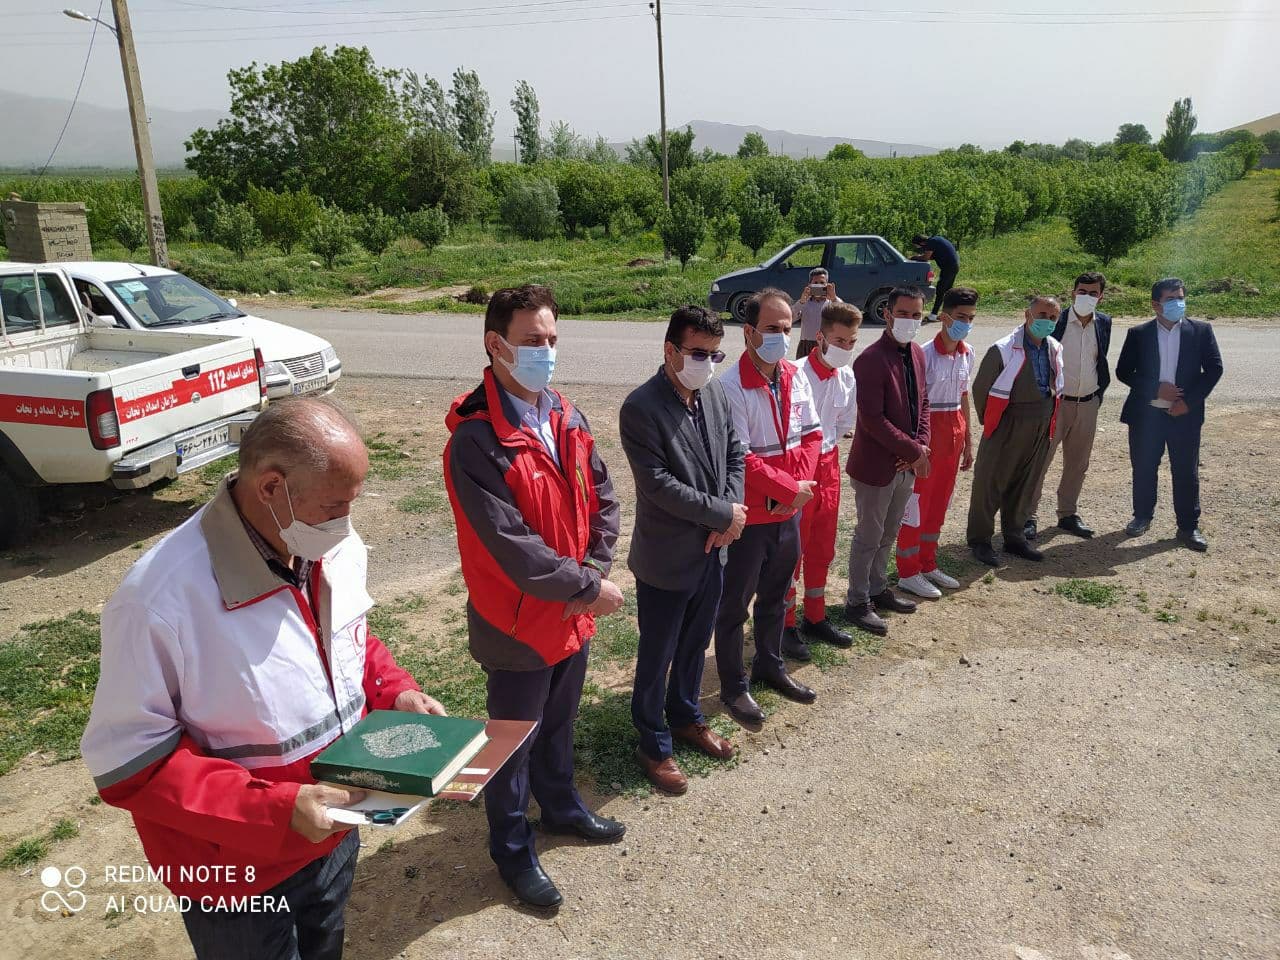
column 725, row 137
column 1261, row 126
column 96, row 137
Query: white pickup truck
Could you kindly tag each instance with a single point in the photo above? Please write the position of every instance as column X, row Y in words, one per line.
column 82, row 404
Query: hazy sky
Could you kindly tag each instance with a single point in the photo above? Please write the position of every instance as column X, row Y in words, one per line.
column 936, row 72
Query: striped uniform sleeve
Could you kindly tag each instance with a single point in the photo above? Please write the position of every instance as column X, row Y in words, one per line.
column 142, row 760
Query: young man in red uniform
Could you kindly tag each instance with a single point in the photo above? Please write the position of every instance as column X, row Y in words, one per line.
column 834, row 392
column 948, row 363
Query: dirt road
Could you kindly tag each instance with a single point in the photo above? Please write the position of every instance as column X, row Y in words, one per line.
column 1012, row 775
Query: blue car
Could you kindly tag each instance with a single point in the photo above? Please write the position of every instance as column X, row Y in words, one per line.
column 863, row 268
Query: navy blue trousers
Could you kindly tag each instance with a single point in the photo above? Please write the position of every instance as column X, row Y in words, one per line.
column 1149, row 437
column 312, row 929
column 762, row 563
column 544, row 763
column 675, row 629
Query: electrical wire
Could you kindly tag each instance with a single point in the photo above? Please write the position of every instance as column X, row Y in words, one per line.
column 75, row 99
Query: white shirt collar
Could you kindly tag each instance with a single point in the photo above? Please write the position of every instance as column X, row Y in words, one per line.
column 528, row 411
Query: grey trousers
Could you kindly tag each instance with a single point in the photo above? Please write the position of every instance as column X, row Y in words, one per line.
column 880, row 511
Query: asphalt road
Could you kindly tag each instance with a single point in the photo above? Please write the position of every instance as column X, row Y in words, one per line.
column 448, row 347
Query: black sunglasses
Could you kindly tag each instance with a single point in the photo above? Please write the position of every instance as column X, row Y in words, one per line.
column 716, row 356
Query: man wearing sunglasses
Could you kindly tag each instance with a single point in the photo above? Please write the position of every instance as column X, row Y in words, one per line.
column 677, row 432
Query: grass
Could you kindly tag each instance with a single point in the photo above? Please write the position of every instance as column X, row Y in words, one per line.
column 48, row 672
column 1233, row 236
column 1167, row 616
column 388, row 460
column 1089, row 593
column 34, row 849
column 428, row 499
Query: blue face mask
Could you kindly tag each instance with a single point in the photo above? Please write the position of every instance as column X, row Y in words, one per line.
column 1041, row 327
column 774, row 347
column 959, row 329
column 1174, row 310
column 533, row 366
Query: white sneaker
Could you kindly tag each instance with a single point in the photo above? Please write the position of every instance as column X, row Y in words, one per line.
column 920, row 587
column 941, row 579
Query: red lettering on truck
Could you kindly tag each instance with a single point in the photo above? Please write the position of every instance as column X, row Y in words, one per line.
column 181, row 391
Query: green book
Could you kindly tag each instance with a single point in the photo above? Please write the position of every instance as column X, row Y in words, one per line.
column 398, row 752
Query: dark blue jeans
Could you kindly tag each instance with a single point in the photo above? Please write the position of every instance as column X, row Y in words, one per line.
column 543, row 765
column 311, row 929
column 675, row 629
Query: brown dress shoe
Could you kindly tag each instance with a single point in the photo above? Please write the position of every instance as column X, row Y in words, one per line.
column 663, row 774
column 701, row 737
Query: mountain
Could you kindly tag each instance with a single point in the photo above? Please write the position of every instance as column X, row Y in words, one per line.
column 1261, row 126
column 725, row 137
column 96, row 137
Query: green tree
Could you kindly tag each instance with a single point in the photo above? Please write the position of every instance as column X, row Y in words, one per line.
column 1179, row 125
column 648, row 152
column 588, row 196
column 429, row 226
column 437, row 173
column 235, row 229
column 814, row 209
column 724, row 231
column 331, row 235
column 1110, row 214
column 682, row 229
column 562, row 143
column 1271, row 140
column 758, row 218
column 531, row 208
column 1132, row 133
column 376, row 231
column 752, row 146
column 285, row 217
column 845, row 151
column 471, row 116
column 1076, row 149
column 528, row 133
column 129, row 227
column 426, row 106
column 779, row 178
column 331, row 123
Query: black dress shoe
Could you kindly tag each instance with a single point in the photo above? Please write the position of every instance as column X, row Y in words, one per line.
column 888, row 600
column 589, row 826
column 864, row 617
column 1193, row 539
column 745, row 710
column 1020, row 548
column 534, row 888
column 1137, row 527
column 1029, row 529
column 786, row 685
column 827, row 632
column 793, row 648
column 1073, row 524
column 983, row 552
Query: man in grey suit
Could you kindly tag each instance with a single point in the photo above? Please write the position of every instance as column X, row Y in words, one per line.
column 688, row 464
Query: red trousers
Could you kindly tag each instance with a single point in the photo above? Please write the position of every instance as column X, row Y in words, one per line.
column 817, row 540
column 918, row 544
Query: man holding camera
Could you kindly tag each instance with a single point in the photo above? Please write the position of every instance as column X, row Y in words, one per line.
column 807, row 311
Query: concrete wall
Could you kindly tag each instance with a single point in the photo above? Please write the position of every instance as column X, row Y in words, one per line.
column 40, row 232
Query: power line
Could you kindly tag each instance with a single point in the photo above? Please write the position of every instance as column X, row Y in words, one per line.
column 75, row 99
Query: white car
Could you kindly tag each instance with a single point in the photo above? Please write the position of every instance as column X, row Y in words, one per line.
column 138, row 296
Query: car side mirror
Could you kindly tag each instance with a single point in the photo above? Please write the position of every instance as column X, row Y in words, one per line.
column 232, row 301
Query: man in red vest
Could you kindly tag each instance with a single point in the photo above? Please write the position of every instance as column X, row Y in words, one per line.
column 537, row 521
column 1016, row 394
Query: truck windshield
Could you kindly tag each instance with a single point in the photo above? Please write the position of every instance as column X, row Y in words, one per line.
column 171, row 301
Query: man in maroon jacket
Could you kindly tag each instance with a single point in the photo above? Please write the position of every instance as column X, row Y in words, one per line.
column 890, row 449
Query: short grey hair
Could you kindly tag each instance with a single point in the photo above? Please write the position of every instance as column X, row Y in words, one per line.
column 296, row 435
column 1043, row 298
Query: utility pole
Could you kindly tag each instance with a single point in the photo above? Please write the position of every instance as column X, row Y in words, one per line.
column 656, row 7
column 141, row 136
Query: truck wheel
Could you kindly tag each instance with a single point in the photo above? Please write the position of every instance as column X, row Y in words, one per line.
column 19, row 513
column 738, row 307
column 876, row 304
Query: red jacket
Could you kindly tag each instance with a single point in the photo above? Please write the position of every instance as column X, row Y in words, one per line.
column 533, row 535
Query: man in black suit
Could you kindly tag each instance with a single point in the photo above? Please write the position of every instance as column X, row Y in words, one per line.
column 677, row 432
column 1171, row 365
column 1085, row 334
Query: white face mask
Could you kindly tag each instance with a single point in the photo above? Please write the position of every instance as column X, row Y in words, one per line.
column 1084, row 304
column 837, row 357
column 308, row 542
column 696, row 374
column 905, row 328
